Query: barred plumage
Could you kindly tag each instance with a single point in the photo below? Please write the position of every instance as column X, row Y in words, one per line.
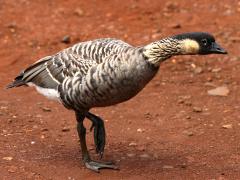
column 93, row 73
column 104, row 72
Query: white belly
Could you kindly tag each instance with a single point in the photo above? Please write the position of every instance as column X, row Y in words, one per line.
column 49, row 93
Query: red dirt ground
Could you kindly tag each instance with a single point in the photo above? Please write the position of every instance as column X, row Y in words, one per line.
column 157, row 134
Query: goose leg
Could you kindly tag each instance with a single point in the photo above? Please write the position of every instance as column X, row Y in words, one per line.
column 90, row 164
column 99, row 132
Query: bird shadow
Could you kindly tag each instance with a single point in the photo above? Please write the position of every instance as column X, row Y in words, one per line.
column 125, row 157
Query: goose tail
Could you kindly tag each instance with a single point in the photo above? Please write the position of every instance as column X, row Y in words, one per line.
column 18, row 81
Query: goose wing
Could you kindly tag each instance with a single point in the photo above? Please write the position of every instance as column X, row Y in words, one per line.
column 50, row 71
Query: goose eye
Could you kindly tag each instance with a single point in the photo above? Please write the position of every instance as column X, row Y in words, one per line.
column 205, row 42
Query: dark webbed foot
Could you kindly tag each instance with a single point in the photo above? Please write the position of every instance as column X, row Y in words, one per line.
column 99, row 132
column 99, row 135
column 96, row 166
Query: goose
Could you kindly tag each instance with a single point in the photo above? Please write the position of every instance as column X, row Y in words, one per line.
column 105, row 72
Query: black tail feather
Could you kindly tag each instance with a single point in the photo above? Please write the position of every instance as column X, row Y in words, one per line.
column 18, row 81
column 30, row 73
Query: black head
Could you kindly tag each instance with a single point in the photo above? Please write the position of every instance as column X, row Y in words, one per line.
column 205, row 41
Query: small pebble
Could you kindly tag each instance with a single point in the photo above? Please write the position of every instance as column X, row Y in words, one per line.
column 176, row 26
column 9, row 120
column 216, row 70
column 79, row 12
column 148, row 115
column 3, row 108
column 65, row 129
column 140, row 130
column 46, row 109
column 12, row 27
column 44, row 129
column 209, row 79
column 188, row 103
column 35, row 126
column 198, row 70
column 66, row 39
column 12, row 169
column 188, row 133
column 38, row 116
column 219, row 91
column 180, row 101
column 132, row 144
column 210, row 84
column 184, row 166
column 227, row 126
column 197, row 109
column 8, row 158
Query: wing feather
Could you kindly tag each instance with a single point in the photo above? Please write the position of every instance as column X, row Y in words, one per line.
column 50, row 71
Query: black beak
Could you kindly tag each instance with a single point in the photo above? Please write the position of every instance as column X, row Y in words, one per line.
column 216, row 49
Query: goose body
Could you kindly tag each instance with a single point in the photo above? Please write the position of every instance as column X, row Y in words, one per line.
column 118, row 78
column 104, row 72
column 91, row 74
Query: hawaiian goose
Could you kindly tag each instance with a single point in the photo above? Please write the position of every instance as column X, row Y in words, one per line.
column 104, row 72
